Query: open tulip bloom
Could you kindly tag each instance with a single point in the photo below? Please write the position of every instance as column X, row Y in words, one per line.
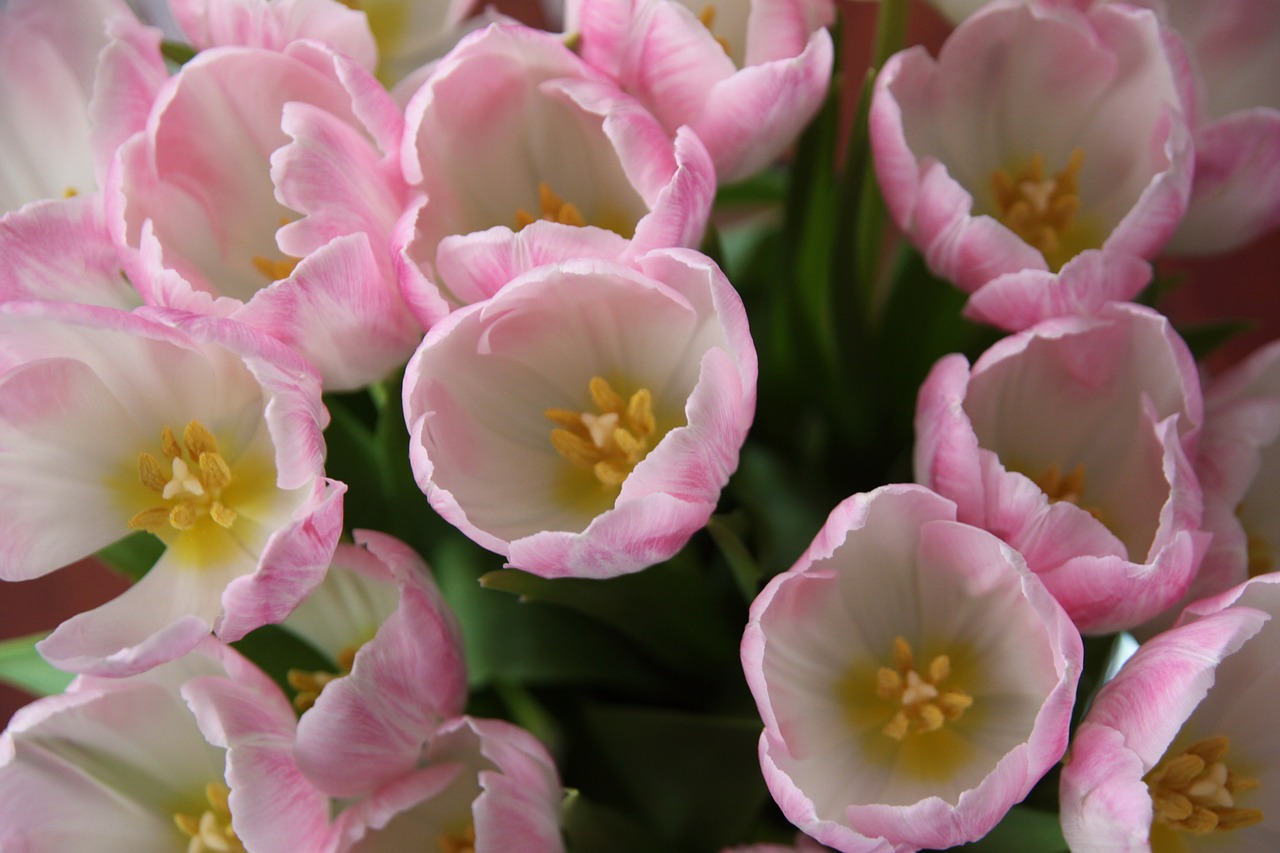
column 455, row 393
column 914, row 678
column 205, row 435
column 583, row 420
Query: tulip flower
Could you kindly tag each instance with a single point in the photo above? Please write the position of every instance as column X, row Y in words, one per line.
column 204, row 434
column 583, row 420
column 122, row 764
column 915, row 679
column 273, row 203
column 1073, row 441
column 745, row 76
column 1042, row 159
column 1179, row 750
column 512, row 130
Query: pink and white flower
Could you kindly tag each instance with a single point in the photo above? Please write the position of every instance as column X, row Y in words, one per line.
column 745, row 76
column 379, row 616
column 1073, row 441
column 1234, row 48
column 915, row 679
column 584, row 419
column 273, row 203
column 1179, row 751
column 512, row 128
column 1042, row 159
column 121, row 764
column 275, row 24
column 204, row 433
column 49, row 55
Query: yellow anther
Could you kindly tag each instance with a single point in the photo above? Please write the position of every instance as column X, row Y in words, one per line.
column 552, row 208
column 609, row 442
column 1039, row 209
column 1069, row 488
column 310, row 684
column 922, row 703
column 211, row 831
column 707, row 17
column 193, row 486
column 1194, row 791
column 274, row 270
column 462, row 842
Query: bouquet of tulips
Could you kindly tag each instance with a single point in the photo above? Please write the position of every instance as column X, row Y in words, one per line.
column 637, row 426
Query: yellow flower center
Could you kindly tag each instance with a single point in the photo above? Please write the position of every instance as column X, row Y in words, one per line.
column 1042, row 210
column 922, row 703
column 309, row 684
column 1194, row 791
column 211, row 831
column 707, row 17
column 608, row 442
column 1069, row 488
column 273, row 269
column 463, row 842
column 189, row 482
column 553, row 209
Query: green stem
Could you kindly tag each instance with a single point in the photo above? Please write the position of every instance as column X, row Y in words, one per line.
column 891, row 30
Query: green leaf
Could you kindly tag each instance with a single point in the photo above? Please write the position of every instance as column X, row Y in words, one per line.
column 1021, row 830
column 22, row 666
column 670, row 610
column 693, row 779
column 133, row 555
column 591, row 827
column 743, row 566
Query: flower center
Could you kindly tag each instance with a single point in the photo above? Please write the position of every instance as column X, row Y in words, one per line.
column 553, row 209
column 309, row 684
column 923, row 704
column 707, row 17
column 211, row 832
column 1194, row 791
column 189, row 482
column 273, row 269
column 464, row 842
column 608, row 442
column 1041, row 210
column 1069, row 488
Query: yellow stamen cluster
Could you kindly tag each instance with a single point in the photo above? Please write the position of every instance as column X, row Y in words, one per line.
column 1194, row 791
column 274, row 270
column 309, row 684
column 1069, row 488
column 707, row 17
column 211, row 832
column 553, row 209
column 460, row 843
column 608, row 443
column 192, row 486
column 923, row 705
column 1040, row 209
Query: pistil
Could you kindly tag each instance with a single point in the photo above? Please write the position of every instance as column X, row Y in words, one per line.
column 923, row 703
column 609, row 442
column 189, row 482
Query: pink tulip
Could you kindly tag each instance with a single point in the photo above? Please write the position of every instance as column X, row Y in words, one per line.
column 1179, row 751
column 583, row 420
column 745, row 76
column 1073, row 441
column 273, row 203
column 512, row 128
column 915, row 679
column 274, row 24
column 203, row 433
column 1042, row 159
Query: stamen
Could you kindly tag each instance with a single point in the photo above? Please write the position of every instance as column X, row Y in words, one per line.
column 1194, row 791
column 1261, row 559
column 1040, row 210
column 273, row 269
column 211, row 831
column 611, row 442
column 464, row 842
column 192, row 489
column 707, row 17
column 923, row 704
column 309, row 684
column 553, row 208
column 1069, row 488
